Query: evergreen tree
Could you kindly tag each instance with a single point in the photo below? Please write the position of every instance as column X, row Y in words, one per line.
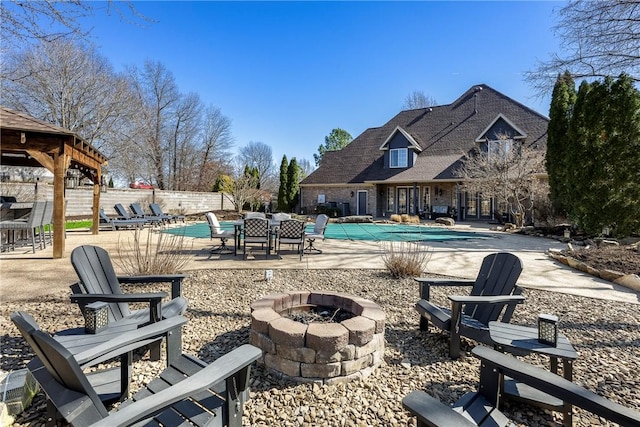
column 604, row 178
column 283, row 204
column 293, row 181
column 558, row 158
column 621, row 157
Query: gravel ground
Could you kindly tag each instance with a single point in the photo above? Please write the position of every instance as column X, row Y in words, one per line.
column 606, row 334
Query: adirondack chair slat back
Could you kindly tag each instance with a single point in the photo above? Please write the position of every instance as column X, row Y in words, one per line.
column 27, row 326
column 63, row 367
column 56, row 359
column 497, row 276
column 97, row 276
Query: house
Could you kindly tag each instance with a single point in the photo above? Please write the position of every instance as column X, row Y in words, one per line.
column 407, row 166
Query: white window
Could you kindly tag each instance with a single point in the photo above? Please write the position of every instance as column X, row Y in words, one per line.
column 499, row 149
column 398, row 158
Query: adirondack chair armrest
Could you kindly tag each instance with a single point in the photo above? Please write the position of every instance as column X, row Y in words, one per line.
column 488, row 299
column 174, row 279
column 153, row 297
column 128, row 341
column 426, row 283
column 557, row 386
column 432, row 412
column 222, row 368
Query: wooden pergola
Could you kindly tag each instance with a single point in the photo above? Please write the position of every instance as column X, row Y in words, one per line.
column 27, row 141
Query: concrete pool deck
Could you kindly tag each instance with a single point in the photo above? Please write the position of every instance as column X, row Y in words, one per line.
column 24, row 274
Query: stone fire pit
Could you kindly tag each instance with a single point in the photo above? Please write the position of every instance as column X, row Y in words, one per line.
column 324, row 351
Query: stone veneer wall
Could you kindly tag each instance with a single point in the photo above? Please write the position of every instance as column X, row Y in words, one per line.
column 318, row 352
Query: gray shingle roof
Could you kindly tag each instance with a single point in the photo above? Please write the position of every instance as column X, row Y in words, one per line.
column 444, row 132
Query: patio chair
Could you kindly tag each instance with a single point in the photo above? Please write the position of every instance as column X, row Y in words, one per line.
column 47, row 221
column 248, row 215
column 187, row 392
column 218, row 233
column 116, row 224
column 256, row 230
column 99, row 282
column 494, row 296
column 280, row 216
column 157, row 211
column 124, row 214
column 317, row 233
column 481, row 408
column 138, row 212
column 291, row 232
column 31, row 226
column 117, row 342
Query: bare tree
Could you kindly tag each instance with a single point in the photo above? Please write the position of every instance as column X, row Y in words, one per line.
column 186, row 126
column 597, row 39
column 72, row 86
column 22, row 22
column 258, row 155
column 158, row 96
column 244, row 189
column 417, row 99
column 507, row 171
column 305, row 168
column 216, row 143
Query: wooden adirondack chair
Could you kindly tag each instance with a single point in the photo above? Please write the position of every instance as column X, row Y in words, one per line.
column 481, row 408
column 116, row 342
column 187, row 391
column 493, row 293
column 99, row 282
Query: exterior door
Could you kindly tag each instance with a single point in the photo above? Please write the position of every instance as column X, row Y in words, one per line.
column 402, row 200
column 362, row 202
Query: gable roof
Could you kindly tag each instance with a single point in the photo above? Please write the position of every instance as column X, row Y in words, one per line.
column 443, row 133
column 519, row 134
column 409, row 138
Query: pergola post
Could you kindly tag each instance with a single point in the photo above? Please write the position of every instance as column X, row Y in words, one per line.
column 96, row 204
column 59, row 172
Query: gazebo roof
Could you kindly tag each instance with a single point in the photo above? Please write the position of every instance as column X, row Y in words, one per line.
column 27, row 141
column 24, row 135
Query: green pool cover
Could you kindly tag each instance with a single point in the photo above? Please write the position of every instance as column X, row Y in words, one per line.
column 351, row 231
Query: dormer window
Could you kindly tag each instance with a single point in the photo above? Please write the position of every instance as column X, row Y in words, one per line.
column 499, row 150
column 398, row 157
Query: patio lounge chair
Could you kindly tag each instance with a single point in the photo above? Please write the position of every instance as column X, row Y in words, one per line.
column 138, row 212
column 187, row 392
column 116, row 224
column 99, row 282
column 493, row 292
column 481, row 408
column 157, row 211
column 317, row 233
column 291, row 232
column 125, row 215
column 218, row 233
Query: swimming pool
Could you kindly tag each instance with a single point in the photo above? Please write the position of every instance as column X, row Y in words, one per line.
column 357, row 231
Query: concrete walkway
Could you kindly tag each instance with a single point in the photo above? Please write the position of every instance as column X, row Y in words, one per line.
column 24, row 274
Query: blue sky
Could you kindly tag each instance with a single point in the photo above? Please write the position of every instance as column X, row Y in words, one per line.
column 287, row 73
